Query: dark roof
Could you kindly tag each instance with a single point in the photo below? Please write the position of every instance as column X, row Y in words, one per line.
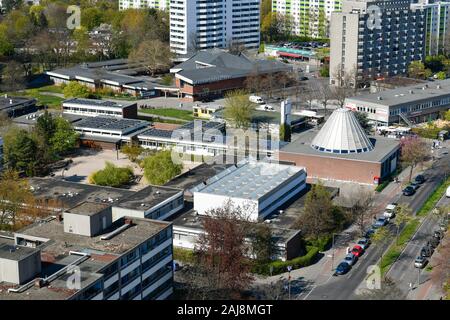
column 11, row 102
column 12, row 252
column 147, row 198
column 97, row 102
column 69, row 194
column 110, row 123
column 216, row 65
column 88, row 208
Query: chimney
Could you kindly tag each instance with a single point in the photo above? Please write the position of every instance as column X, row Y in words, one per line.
column 59, row 217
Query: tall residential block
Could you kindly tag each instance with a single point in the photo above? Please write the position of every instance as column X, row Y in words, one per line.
column 310, row 18
column 375, row 39
column 437, row 25
column 205, row 24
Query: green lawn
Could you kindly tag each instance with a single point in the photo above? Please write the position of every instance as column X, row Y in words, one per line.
column 170, row 112
column 51, row 88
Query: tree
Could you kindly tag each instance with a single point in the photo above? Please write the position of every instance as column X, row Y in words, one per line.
column 363, row 121
column 15, row 194
column 381, row 237
column 361, row 208
column 46, row 126
column 159, row 168
column 13, row 78
column 76, row 90
column 65, row 137
column 221, row 251
column 344, row 84
column 238, row 109
column 91, row 17
column 154, row 54
column 20, row 151
column 324, row 94
column 262, row 243
column 402, row 216
column 112, row 176
column 413, row 151
column 132, row 151
column 317, row 218
column 417, row 70
column 6, row 45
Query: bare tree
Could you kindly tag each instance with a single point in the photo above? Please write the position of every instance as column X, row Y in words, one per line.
column 345, row 84
column 361, row 208
column 154, row 54
column 222, row 252
column 325, row 95
column 13, row 77
column 414, row 151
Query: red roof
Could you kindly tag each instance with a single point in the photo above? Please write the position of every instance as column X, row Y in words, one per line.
column 288, row 54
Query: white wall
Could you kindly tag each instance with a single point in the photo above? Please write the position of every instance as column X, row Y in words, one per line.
column 205, row 201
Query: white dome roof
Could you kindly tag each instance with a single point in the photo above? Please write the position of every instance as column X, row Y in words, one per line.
column 342, row 133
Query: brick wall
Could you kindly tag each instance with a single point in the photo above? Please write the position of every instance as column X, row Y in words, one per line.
column 333, row 168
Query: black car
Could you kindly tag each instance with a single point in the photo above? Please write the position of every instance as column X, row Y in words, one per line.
column 409, row 191
column 304, row 78
column 433, row 242
column 369, row 233
column 343, row 268
column 206, row 99
column 419, row 179
column 426, row 251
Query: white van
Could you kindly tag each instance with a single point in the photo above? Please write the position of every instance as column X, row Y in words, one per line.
column 447, row 193
column 256, row 99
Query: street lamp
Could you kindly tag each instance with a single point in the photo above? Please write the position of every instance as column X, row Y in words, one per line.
column 289, row 281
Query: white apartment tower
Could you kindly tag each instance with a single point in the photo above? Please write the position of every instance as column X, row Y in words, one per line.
column 142, row 4
column 309, row 18
column 205, row 24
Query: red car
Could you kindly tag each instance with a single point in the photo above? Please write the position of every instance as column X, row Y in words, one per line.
column 357, row 251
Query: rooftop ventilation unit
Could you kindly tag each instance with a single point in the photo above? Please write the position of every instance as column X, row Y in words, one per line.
column 379, row 98
column 438, row 86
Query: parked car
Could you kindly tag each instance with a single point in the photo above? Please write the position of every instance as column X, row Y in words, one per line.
column 426, row 251
column 415, row 185
column 357, row 251
column 369, row 233
column 443, row 226
column 364, row 243
column 420, row 262
column 390, row 211
column 419, row 179
column 447, row 192
column 409, row 191
column 350, row 259
column 381, row 222
column 343, row 268
column 256, row 99
column 438, row 234
column 304, row 78
column 433, row 242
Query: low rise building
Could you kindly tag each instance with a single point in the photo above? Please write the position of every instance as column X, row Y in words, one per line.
column 82, row 255
column 94, row 107
column 271, row 186
column 411, row 104
column 118, row 75
column 15, row 107
column 212, row 73
column 108, row 132
column 341, row 151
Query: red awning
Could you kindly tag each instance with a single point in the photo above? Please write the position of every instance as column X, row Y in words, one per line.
column 287, row 54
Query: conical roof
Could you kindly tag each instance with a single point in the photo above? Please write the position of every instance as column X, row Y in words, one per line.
column 342, row 133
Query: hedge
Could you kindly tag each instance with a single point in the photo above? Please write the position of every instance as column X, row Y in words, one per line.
column 281, row 266
column 183, row 255
column 321, row 243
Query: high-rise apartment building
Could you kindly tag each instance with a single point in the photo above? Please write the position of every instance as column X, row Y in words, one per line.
column 374, row 39
column 437, row 25
column 141, row 4
column 309, row 18
column 205, row 24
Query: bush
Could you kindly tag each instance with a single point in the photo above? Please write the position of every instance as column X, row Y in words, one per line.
column 112, row 176
column 159, row 168
column 322, row 243
column 76, row 90
column 281, row 266
column 183, row 255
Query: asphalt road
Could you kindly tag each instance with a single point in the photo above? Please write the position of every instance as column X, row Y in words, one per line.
column 403, row 271
column 343, row 287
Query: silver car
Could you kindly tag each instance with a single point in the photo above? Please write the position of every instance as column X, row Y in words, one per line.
column 364, row 243
column 350, row 259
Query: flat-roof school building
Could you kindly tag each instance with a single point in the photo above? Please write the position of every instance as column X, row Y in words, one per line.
column 108, row 132
column 342, row 151
column 416, row 103
column 258, row 187
column 94, row 107
column 16, row 106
